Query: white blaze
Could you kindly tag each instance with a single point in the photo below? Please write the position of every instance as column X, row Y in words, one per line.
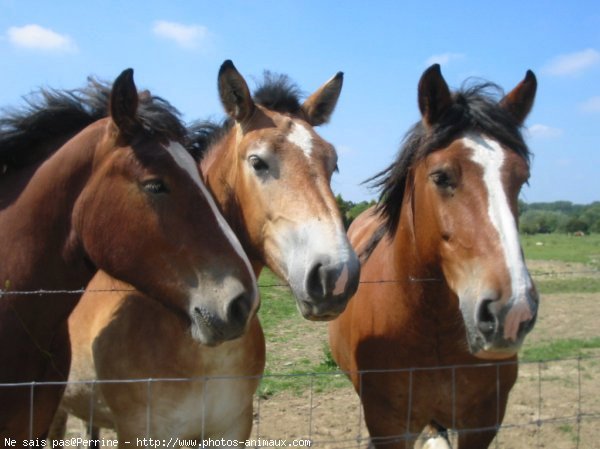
column 490, row 156
column 185, row 161
column 300, row 136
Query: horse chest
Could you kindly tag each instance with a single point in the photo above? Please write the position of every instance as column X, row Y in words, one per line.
column 204, row 409
column 212, row 408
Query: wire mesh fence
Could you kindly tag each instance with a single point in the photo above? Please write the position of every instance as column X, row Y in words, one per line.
column 555, row 403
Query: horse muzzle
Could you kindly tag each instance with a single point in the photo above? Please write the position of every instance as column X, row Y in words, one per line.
column 225, row 317
column 327, row 288
column 497, row 330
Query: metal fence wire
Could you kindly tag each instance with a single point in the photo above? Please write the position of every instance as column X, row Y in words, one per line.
column 554, row 404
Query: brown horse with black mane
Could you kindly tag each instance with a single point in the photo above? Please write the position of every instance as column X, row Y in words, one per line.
column 270, row 173
column 443, row 283
column 78, row 193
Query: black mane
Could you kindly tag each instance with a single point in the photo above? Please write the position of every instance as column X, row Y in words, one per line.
column 276, row 92
column 158, row 117
column 50, row 115
column 474, row 108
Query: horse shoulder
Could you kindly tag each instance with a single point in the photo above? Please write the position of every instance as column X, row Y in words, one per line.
column 89, row 318
column 363, row 227
column 343, row 331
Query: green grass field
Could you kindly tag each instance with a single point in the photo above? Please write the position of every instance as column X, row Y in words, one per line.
column 561, row 247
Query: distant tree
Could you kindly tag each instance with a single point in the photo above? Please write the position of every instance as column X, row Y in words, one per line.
column 559, row 216
column 542, row 221
column 591, row 216
column 576, row 225
column 566, row 207
column 344, row 207
column 522, row 207
column 359, row 208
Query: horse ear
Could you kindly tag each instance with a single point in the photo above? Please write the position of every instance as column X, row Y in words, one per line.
column 434, row 95
column 234, row 93
column 519, row 101
column 320, row 105
column 124, row 103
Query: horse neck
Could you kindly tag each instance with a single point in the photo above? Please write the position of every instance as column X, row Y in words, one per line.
column 420, row 275
column 41, row 208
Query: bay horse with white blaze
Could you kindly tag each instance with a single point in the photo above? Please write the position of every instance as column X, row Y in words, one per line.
column 443, row 282
column 78, row 193
column 270, row 173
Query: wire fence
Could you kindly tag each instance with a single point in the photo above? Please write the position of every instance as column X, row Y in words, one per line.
column 39, row 292
column 555, row 403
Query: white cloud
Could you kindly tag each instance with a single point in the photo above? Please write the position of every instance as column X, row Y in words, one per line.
column 187, row 36
column 39, row 38
column 572, row 63
column 539, row 131
column 444, row 58
column 591, row 105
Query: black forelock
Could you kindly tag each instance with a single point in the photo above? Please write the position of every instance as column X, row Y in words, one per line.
column 202, row 134
column 278, row 93
column 474, row 108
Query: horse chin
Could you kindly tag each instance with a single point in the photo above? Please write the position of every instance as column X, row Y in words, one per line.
column 496, row 349
column 319, row 312
column 494, row 354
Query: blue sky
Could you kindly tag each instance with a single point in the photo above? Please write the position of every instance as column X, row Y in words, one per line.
column 176, row 48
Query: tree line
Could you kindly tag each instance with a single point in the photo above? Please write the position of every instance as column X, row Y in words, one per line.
column 559, row 216
column 534, row 218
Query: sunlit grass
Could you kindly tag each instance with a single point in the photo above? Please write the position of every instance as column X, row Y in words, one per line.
column 559, row 349
column 562, row 247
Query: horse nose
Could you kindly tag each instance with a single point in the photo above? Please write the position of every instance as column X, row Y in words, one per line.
column 239, row 310
column 327, row 281
column 513, row 320
column 330, row 285
column 487, row 319
column 316, row 281
column 226, row 314
column 240, row 305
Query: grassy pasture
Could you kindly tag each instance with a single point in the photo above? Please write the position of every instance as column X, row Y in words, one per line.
column 565, row 248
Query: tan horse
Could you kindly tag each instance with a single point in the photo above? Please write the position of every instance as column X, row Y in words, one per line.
column 270, row 172
column 80, row 192
column 444, row 283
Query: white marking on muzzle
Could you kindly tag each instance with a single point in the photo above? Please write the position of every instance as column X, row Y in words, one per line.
column 490, row 155
column 185, row 161
column 300, row 136
column 305, row 243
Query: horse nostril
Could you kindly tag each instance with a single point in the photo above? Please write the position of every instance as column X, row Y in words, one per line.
column 315, row 284
column 239, row 309
column 486, row 320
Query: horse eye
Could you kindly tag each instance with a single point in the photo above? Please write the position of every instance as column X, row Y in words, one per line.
column 155, row 186
column 441, row 179
column 257, row 163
